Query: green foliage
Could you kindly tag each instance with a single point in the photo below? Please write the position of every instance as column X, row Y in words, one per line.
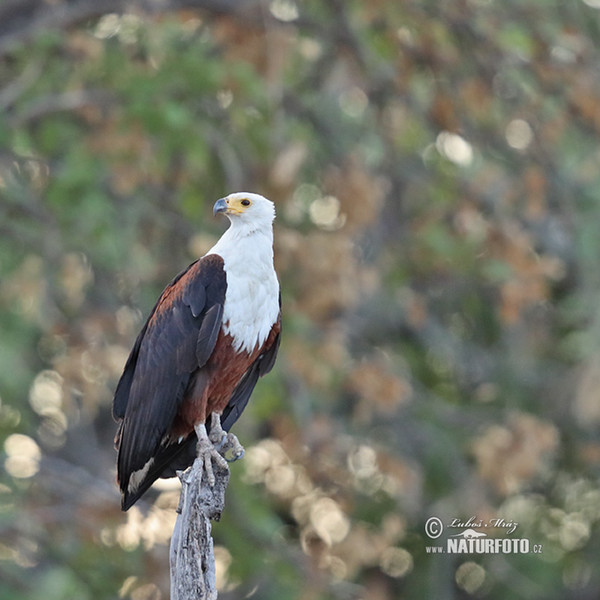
column 434, row 167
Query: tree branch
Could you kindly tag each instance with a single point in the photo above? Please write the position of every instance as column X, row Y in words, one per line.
column 192, row 558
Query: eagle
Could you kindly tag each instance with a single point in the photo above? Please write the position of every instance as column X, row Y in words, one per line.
column 213, row 332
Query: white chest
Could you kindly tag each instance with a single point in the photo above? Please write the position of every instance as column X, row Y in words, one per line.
column 251, row 308
column 252, row 298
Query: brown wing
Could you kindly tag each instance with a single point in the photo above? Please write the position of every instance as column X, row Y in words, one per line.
column 177, row 339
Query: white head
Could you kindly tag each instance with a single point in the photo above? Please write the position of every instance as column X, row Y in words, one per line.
column 247, row 212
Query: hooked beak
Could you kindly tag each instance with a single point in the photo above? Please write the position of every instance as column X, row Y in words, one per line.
column 220, row 206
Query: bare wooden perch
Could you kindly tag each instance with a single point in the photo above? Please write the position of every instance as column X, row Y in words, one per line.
column 192, row 558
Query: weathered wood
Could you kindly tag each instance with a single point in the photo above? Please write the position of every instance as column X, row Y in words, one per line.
column 192, row 558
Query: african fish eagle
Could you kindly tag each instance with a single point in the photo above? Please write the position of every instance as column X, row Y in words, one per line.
column 213, row 332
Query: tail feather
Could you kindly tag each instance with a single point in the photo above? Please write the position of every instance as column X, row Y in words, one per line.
column 174, row 457
column 166, row 462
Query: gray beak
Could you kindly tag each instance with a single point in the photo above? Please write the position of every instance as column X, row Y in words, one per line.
column 220, row 206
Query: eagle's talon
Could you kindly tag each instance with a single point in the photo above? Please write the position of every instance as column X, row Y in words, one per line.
column 233, row 448
column 218, row 442
column 217, row 435
column 226, row 444
column 207, row 453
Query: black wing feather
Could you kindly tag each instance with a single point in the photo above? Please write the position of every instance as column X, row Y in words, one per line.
column 177, row 339
column 167, row 461
column 207, row 336
column 124, row 385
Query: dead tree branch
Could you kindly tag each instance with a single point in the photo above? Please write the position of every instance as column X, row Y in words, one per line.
column 192, row 558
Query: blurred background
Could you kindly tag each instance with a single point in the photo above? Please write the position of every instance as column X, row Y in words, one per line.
column 436, row 171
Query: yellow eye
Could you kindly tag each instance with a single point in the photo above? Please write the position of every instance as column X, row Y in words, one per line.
column 245, row 202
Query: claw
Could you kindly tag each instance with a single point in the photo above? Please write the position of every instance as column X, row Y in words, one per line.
column 225, row 443
column 207, row 453
column 234, row 448
column 217, row 436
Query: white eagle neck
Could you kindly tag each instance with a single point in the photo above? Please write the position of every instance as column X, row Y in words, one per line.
column 252, row 298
